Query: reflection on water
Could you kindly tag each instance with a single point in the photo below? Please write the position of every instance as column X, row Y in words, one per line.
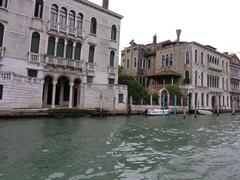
column 136, row 147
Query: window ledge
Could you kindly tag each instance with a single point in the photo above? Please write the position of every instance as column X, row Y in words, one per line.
column 37, row 18
column 112, row 40
column 4, row 8
column 91, row 34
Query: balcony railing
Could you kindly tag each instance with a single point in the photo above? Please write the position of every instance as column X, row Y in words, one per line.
column 2, row 51
column 215, row 67
column 65, row 29
column 63, row 62
column 9, row 76
column 112, row 70
column 90, row 66
column 34, row 58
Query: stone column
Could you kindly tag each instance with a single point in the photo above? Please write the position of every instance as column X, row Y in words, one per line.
column 55, row 46
column 65, row 48
column 45, row 93
column 53, row 93
column 61, row 93
column 172, row 81
column 73, row 52
column 151, row 99
column 70, row 94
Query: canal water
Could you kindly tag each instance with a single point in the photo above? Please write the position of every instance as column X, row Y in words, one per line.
column 135, row 147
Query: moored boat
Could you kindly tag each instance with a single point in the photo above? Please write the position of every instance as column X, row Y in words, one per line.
column 157, row 112
column 204, row 112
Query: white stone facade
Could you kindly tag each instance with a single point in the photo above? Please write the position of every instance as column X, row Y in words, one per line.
column 51, row 50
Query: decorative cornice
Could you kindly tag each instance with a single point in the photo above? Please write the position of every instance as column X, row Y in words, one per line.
column 99, row 8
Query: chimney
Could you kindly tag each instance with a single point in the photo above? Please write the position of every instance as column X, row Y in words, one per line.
column 178, row 31
column 155, row 39
column 105, row 4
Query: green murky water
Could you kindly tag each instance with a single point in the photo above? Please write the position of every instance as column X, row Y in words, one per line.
column 132, row 148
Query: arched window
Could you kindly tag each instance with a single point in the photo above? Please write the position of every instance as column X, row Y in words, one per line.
column 201, row 58
column 135, row 62
column 71, row 19
column 144, row 63
column 196, row 78
column 79, row 21
column 196, row 100
column 54, row 13
column 127, row 63
column 187, row 58
column 1, row 34
column 3, row 3
column 78, row 51
column 163, row 61
column 63, row 16
column 201, row 78
column 69, row 50
column 91, row 54
column 167, row 60
column 196, row 59
column 93, row 29
column 114, row 33
column 38, row 9
column 60, row 48
column 51, row 46
column 187, row 79
column 112, row 57
column 171, row 60
column 149, row 63
column 35, row 42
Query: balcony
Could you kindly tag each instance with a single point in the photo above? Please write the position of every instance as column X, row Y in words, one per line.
column 63, row 62
column 234, row 76
column 215, row 67
column 90, row 68
column 216, row 90
column 2, row 51
column 112, row 71
column 53, row 26
column 34, row 58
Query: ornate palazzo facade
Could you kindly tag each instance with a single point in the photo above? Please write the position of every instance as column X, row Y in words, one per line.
column 59, row 54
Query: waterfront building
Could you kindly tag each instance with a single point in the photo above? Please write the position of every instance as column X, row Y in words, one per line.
column 199, row 70
column 235, row 79
column 59, row 54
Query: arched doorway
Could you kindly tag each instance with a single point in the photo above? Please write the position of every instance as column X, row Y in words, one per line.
column 164, row 93
column 76, row 92
column 47, row 91
column 213, row 100
column 62, row 92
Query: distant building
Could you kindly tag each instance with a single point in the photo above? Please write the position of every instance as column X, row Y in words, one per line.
column 59, row 54
column 235, row 79
column 199, row 70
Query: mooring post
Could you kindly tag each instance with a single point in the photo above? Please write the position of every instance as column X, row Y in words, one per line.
column 195, row 111
column 175, row 105
column 184, row 112
column 163, row 102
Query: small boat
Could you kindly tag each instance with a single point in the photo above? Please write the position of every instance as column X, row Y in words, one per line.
column 204, row 112
column 157, row 112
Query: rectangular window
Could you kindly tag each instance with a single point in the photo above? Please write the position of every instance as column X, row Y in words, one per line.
column 90, row 79
column 32, row 73
column 1, row 91
column 120, row 98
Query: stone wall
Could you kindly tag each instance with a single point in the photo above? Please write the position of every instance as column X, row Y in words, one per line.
column 20, row 92
column 103, row 96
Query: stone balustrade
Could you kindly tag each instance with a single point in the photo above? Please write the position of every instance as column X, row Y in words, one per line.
column 2, row 51
column 34, row 58
column 215, row 67
column 112, row 70
column 64, row 62
column 65, row 29
column 9, row 76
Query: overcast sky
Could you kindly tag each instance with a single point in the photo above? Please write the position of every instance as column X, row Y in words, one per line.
column 212, row 22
